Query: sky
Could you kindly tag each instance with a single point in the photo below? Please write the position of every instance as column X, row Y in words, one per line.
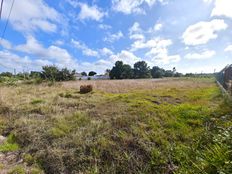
column 91, row 35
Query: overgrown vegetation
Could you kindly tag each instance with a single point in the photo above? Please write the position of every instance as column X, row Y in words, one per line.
column 48, row 73
column 169, row 126
column 140, row 71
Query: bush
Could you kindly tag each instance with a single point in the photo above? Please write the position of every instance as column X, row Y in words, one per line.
column 86, row 89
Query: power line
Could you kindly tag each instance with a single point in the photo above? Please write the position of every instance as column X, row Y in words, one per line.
column 1, row 9
column 7, row 21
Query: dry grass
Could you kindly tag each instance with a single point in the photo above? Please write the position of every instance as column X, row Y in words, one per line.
column 123, row 126
column 122, row 86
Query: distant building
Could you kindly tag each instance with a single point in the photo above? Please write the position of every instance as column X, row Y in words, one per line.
column 78, row 76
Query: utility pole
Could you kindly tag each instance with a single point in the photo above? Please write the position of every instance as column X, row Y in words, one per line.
column 1, row 9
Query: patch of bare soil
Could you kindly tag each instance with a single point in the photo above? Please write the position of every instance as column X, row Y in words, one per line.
column 166, row 99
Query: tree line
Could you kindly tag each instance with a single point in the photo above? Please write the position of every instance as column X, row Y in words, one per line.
column 140, row 71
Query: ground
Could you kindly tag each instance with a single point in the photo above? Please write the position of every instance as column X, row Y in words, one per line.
column 124, row 126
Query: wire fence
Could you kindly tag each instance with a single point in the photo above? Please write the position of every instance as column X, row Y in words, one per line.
column 224, row 77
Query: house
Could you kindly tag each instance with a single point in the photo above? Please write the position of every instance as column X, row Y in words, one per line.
column 78, row 76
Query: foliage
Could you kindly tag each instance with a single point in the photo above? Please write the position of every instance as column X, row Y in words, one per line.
column 92, row 73
column 6, row 74
column 17, row 170
column 9, row 145
column 157, row 72
column 83, row 73
column 52, row 73
column 141, row 70
column 178, row 126
column 121, row 71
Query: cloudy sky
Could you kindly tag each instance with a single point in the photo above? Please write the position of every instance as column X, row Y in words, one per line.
column 193, row 36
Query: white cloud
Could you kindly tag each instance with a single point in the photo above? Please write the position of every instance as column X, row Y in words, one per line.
column 153, row 43
column 208, row 1
column 90, row 12
column 135, row 28
column 133, row 6
column 11, row 61
column 228, row 48
column 126, row 56
column 106, row 52
column 157, row 50
column 202, row 32
column 203, row 55
column 158, row 27
column 5, row 44
column 57, row 55
column 222, row 8
column 30, row 15
column 114, row 37
column 104, row 26
column 135, row 32
column 85, row 50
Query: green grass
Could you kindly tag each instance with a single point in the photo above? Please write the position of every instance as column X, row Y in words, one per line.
column 9, row 145
column 168, row 129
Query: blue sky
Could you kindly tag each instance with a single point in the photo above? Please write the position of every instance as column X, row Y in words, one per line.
column 193, row 36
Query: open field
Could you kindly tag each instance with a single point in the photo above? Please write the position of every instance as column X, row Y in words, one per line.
column 125, row 126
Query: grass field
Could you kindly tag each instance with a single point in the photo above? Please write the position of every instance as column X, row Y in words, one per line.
column 125, row 126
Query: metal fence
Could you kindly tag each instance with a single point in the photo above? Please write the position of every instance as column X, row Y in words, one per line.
column 224, row 77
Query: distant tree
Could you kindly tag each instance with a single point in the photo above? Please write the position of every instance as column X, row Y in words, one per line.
column 65, row 75
column 84, row 74
column 157, row 72
column 6, row 74
column 168, row 73
column 35, row 74
column 127, row 72
column 121, row 71
column 177, row 74
column 92, row 73
column 141, row 70
column 50, row 72
column 116, row 72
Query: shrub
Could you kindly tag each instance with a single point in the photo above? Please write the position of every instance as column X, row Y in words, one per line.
column 17, row 170
column 86, row 89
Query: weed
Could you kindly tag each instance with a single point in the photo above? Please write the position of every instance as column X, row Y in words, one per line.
column 17, row 170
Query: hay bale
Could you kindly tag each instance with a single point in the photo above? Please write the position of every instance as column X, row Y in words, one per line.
column 86, row 89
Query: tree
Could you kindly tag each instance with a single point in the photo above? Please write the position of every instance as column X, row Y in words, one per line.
column 168, row 73
column 127, row 72
column 92, row 73
column 116, row 72
column 50, row 72
column 157, row 72
column 65, row 75
column 6, row 74
column 84, row 74
column 141, row 70
column 121, row 71
column 35, row 74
